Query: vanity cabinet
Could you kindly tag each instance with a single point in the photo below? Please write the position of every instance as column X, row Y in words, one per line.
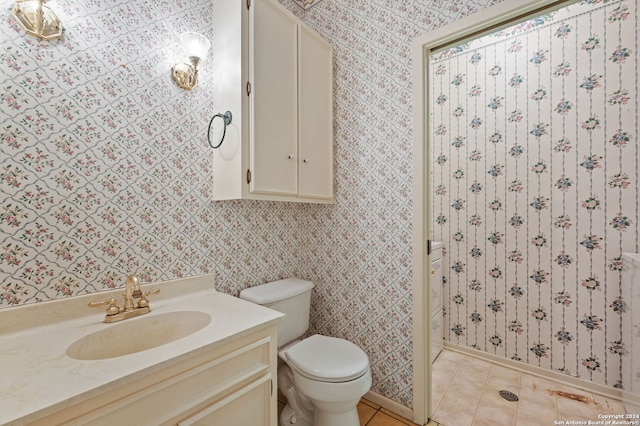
column 232, row 384
column 284, row 150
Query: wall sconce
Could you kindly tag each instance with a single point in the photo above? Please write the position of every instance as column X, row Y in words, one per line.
column 37, row 19
column 196, row 47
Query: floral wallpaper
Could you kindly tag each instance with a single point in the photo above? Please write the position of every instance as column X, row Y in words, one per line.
column 359, row 251
column 104, row 163
column 306, row 4
column 536, row 187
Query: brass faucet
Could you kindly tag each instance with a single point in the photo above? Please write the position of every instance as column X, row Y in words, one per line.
column 130, row 309
column 132, row 285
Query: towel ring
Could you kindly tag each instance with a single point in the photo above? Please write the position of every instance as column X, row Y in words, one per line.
column 226, row 118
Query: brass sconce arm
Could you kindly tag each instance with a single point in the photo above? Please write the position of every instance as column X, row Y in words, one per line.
column 186, row 75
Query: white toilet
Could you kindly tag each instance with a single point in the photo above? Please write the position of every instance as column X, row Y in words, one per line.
column 322, row 377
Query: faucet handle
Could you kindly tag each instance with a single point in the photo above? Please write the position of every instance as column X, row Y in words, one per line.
column 111, row 310
column 143, row 302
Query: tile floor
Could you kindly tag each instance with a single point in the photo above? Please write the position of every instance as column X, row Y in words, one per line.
column 373, row 415
column 370, row 414
column 465, row 393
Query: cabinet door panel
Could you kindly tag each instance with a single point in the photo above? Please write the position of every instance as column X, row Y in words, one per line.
column 178, row 394
column 247, row 407
column 274, row 132
column 315, row 106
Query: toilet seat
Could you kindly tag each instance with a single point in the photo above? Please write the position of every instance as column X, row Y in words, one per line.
column 327, row 359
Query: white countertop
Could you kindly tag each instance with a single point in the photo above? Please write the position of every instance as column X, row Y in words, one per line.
column 37, row 378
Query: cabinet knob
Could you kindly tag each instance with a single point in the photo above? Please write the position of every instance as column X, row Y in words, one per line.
column 291, row 157
column 306, row 160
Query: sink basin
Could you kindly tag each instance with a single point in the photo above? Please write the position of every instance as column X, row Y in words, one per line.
column 138, row 334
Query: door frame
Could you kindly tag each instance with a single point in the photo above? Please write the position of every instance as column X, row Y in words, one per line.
column 486, row 21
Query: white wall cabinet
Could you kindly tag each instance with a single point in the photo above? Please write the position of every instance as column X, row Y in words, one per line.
column 232, row 384
column 283, row 147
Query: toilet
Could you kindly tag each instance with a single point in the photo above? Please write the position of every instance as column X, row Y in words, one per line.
column 323, row 378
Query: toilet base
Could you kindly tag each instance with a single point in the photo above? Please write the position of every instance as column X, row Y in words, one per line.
column 325, row 418
column 289, row 417
column 312, row 402
column 299, row 410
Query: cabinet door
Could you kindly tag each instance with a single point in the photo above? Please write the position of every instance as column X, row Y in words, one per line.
column 315, row 108
column 274, row 127
column 247, row 407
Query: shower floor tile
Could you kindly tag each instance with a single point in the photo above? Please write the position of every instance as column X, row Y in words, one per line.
column 465, row 393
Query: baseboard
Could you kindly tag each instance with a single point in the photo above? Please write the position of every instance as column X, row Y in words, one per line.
column 631, row 402
column 389, row 404
column 544, row 373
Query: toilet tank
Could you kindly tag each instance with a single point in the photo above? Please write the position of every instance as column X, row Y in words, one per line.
column 292, row 297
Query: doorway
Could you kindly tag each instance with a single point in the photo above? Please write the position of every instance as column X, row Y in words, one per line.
column 489, row 20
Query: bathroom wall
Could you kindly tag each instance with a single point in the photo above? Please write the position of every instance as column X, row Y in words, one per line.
column 306, row 4
column 536, row 187
column 104, row 168
column 104, row 163
column 360, row 251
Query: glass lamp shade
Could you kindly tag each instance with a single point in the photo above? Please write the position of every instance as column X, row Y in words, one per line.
column 37, row 19
column 195, row 45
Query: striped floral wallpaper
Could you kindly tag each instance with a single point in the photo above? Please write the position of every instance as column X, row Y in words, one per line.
column 536, row 187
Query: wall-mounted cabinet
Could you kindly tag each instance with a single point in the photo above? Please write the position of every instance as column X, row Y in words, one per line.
column 283, row 86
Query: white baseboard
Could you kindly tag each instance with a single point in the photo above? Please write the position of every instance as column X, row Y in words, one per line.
column 544, row 373
column 389, row 404
column 631, row 402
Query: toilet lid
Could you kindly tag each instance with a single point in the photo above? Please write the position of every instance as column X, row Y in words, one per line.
column 328, row 359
